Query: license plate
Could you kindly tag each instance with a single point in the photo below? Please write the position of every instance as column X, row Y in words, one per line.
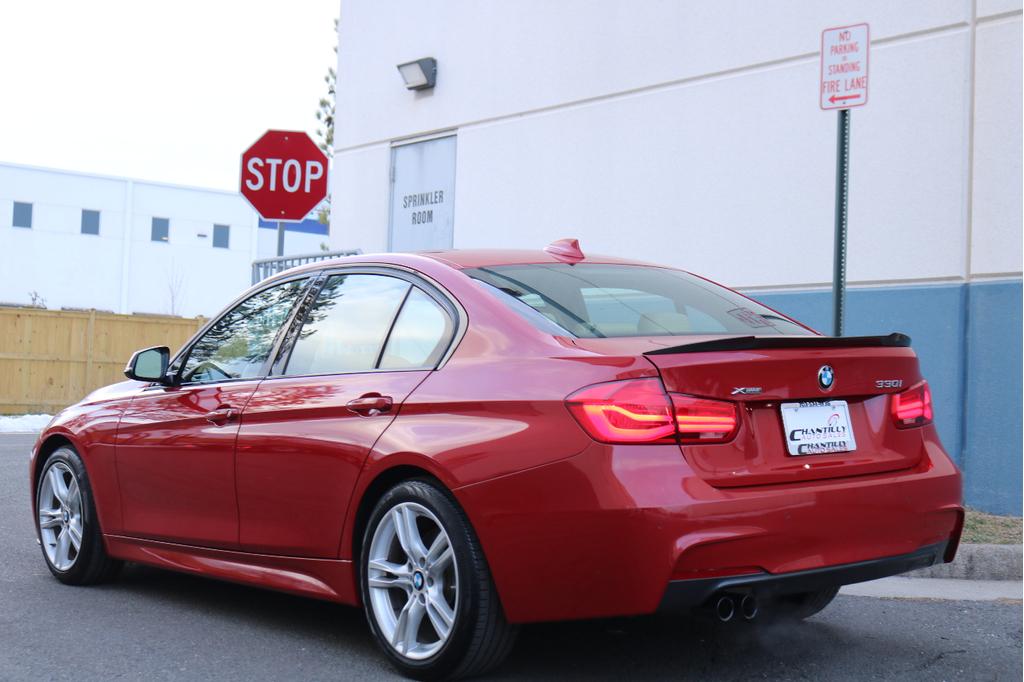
column 818, row 428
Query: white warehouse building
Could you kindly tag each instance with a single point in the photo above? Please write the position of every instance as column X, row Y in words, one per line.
column 77, row 240
column 690, row 134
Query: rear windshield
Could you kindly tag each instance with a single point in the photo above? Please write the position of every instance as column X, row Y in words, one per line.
column 596, row 300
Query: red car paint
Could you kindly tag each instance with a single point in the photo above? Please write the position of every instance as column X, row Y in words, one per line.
column 230, row 498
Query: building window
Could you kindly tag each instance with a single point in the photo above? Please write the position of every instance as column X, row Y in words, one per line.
column 90, row 221
column 22, row 214
column 221, row 236
column 159, row 230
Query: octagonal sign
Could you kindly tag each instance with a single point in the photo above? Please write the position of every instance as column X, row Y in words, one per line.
column 284, row 175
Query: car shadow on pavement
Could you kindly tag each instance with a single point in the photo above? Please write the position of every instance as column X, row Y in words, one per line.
column 647, row 648
column 692, row 646
column 256, row 608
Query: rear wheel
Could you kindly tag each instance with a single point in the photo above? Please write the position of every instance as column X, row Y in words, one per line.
column 69, row 531
column 426, row 588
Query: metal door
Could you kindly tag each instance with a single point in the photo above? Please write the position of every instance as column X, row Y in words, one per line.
column 422, row 195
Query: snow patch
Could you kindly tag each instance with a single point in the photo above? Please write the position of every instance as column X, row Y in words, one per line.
column 24, row 423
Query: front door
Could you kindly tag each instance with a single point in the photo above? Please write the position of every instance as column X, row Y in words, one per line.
column 176, row 444
column 368, row 340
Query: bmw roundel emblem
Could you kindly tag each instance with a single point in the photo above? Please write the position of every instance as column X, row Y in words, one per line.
column 826, row 377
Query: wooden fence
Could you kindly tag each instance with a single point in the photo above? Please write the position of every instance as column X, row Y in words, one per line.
column 52, row 358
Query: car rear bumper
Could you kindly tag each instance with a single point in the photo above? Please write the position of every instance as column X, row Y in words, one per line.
column 614, row 529
column 682, row 595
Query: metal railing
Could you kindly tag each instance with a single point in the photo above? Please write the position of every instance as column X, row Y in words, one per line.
column 265, row 267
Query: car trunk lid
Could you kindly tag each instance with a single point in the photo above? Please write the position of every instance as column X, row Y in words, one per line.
column 762, row 374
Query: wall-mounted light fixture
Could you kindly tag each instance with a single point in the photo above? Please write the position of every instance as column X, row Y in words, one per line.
column 419, row 74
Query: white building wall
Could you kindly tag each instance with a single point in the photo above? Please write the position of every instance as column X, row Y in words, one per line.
column 186, row 275
column 69, row 269
column 360, row 192
column 995, row 228
column 689, row 133
column 39, row 260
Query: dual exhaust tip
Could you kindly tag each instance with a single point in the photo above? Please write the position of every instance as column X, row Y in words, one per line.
column 729, row 606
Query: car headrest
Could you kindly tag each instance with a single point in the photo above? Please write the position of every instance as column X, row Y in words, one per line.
column 663, row 323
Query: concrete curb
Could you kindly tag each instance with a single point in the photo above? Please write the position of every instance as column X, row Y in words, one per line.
column 979, row 562
column 944, row 589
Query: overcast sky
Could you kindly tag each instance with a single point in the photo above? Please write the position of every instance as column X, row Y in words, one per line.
column 167, row 91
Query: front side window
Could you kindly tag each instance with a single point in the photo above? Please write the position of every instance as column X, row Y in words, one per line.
column 22, row 214
column 347, row 325
column 90, row 221
column 609, row 300
column 239, row 343
column 159, row 230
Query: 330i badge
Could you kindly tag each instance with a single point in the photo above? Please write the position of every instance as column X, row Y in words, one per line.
column 430, row 436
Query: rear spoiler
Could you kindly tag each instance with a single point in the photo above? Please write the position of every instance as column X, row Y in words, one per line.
column 894, row 340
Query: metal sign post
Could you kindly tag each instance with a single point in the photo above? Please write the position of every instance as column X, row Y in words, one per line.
column 844, row 84
column 842, row 189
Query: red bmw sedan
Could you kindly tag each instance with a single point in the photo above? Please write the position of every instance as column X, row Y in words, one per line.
column 464, row 441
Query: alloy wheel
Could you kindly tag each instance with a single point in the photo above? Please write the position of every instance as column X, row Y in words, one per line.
column 60, row 516
column 413, row 581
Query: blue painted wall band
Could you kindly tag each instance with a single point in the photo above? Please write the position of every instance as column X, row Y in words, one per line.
column 309, row 226
column 968, row 339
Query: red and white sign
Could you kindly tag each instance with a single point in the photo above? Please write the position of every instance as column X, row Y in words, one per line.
column 844, row 67
column 284, row 175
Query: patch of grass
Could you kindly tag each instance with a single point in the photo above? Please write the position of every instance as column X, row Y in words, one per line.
column 985, row 528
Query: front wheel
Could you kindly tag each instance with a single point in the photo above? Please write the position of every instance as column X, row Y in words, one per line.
column 69, row 530
column 426, row 587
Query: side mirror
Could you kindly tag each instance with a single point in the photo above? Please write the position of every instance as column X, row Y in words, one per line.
column 149, row 364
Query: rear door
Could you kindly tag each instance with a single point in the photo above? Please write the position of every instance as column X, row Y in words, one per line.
column 365, row 341
column 176, row 444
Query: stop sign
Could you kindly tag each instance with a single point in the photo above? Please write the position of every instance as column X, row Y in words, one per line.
column 284, row 175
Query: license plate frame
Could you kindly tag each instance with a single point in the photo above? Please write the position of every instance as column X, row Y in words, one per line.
column 817, row 427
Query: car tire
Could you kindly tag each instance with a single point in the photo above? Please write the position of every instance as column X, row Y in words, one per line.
column 802, row 605
column 66, row 516
column 454, row 625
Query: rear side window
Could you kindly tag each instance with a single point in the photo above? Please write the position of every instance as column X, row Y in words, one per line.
column 347, row 325
column 609, row 300
column 419, row 335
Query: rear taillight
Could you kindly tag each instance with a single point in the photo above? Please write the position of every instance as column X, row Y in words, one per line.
column 633, row 411
column 701, row 420
column 912, row 407
column 639, row 411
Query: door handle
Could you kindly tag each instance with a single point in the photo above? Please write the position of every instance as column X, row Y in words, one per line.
column 220, row 416
column 371, row 404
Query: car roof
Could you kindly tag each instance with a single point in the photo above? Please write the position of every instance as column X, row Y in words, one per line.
column 458, row 259
column 482, row 258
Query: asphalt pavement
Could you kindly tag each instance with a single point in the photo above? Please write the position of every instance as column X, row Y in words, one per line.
column 157, row 625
